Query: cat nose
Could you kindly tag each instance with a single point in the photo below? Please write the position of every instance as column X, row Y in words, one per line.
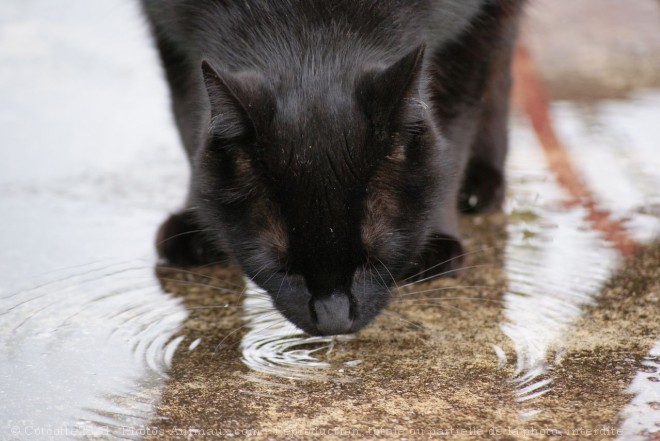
column 332, row 314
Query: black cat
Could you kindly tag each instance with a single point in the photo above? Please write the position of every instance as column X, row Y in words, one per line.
column 331, row 140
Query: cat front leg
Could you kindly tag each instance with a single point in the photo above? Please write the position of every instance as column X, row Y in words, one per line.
column 441, row 255
column 182, row 242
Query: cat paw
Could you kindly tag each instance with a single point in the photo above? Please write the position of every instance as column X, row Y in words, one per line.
column 482, row 190
column 181, row 242
column 442, row 255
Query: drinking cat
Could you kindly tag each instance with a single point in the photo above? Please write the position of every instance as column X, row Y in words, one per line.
column 333, row 143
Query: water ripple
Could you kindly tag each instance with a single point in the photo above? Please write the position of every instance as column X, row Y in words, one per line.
column 641, row 417
column 556, row 266
column 86, row 345
column 275, row 346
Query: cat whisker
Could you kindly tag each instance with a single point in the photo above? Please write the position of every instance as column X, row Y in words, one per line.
column 384, row 284
column 433, row 301
column 397, row 315
column 193, row 273
column 200, row 307
column 281, row 283
column 389, row 272
column 451, row 259
column 445, row 273
column 245, row 289
column 215, row 262
column 444, row 288
column 242, row 327
column 202, row 285
column 444, row 305
column 182, row 234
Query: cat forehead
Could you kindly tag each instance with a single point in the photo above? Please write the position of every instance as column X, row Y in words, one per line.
column 320, row 129
column 321, row 111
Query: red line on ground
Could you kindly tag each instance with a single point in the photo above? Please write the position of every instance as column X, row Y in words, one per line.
column 529, row 94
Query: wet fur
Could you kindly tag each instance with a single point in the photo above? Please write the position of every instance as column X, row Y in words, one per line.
column 332, row 143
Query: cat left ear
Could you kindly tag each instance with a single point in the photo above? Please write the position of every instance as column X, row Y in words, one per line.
column 382, row 92
column 239, row 102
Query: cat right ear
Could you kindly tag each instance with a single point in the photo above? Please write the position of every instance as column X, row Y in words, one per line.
column 382, row 91
column 241, row 104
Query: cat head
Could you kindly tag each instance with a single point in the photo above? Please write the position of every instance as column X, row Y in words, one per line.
column 325, row 192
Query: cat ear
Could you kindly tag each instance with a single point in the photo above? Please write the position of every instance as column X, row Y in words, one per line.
column 381, row 92
column 241, row 104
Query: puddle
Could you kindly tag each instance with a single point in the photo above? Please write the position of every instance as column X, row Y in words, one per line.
column 555, row 264
column 614, row 152
column 641, row 417
column 86, row 332
column 272, row 345
column 87, row 351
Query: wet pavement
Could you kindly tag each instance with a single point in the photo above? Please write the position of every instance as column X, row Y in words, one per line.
column 551, row 332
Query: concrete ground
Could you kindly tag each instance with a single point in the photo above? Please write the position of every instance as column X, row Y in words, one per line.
column 427, row 371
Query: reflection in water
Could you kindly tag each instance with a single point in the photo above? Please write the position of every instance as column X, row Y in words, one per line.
column 641, row 417
column 88, row 349
column 615, row 153
column 275, row 346
column 555, row 263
